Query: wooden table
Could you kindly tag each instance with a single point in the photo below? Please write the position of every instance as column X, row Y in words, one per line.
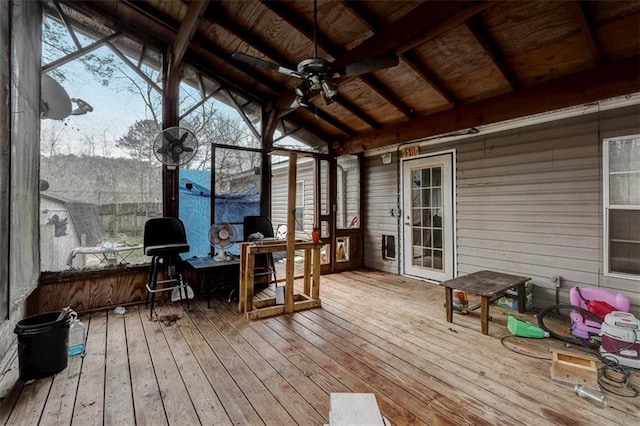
column 205, row 266
column 293, row 301
column 489, row 286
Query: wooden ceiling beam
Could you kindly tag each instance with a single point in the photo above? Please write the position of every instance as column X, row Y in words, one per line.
column 429, row 77
column 335, row 51
column 374, row 24
column 216, row 15
column 340, row 100
column 188, row 28
column 427, row 21
column 578, row 10
column 322, row 114
column 475, row 25
column 602, row 82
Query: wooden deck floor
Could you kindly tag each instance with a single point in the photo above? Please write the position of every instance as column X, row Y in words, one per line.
column 375, row 332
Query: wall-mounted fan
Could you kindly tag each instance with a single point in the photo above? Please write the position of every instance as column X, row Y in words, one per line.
column 222, row 235
column 175, row 146
column 318, row 74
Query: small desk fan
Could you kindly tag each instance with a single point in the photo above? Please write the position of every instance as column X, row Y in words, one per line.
column 222, row 235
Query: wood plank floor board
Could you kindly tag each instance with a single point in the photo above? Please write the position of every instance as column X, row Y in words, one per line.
column 89, row 405
column 265, row 404
column 31, row 402
column 295, row 404
column 209, row 408
column 397, row 365
column 410, row 322
column 476, row 393
column 10, row 385
column 392, row 409
column 237, row 406
column 321, row 377
column 517, row 370
column 299, row 378
column 148, row 406
column 376, row 374
column 375, row 332
column 62, row 397
column 118, row 397
column 175, row 398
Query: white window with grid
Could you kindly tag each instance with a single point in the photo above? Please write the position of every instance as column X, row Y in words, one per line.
column 621, row 202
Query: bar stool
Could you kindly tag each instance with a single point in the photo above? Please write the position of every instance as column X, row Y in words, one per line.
column 164, row 239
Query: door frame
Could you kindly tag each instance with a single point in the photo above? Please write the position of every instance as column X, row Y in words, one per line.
column 401, row 196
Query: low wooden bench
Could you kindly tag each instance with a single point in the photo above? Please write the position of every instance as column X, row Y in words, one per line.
column 489, row 285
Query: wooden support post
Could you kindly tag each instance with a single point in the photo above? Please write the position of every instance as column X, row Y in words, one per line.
column 291, row 234
column 307, row 271
column 315, row 289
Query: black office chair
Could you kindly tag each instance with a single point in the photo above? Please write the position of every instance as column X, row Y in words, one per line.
column 264, row 264
column 164, row 239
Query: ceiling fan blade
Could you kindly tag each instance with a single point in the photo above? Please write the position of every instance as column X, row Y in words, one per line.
column 252, row 60
column 369, row 65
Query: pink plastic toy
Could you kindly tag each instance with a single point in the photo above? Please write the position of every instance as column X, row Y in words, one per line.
column 581, row 326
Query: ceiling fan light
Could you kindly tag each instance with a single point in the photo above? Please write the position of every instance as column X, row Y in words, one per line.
column 329, row 89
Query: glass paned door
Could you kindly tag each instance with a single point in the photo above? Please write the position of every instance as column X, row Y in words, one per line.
column 428, row 217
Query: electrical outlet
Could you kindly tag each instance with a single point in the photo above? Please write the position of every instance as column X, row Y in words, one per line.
column 555, row 280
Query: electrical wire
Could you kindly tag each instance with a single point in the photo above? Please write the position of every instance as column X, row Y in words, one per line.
column 608, row 381
column 502, row 340
column 612, row 376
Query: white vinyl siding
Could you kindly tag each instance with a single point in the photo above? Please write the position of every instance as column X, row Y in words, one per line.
column 529, row 202
column 381, row 195
column 279, row 191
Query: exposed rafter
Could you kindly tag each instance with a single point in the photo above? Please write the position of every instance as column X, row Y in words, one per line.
column 480, row 33
column 374, row 24
column 610, row 80
column 578, row 10
column 425, row 22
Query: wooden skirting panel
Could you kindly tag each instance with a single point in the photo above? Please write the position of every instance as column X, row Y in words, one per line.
column 91, row 291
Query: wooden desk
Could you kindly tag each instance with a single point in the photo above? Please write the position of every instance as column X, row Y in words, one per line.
column 489, row 286
column 310, row 298
column 204, row 266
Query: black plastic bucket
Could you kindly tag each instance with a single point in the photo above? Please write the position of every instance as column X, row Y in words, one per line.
column 43, row 342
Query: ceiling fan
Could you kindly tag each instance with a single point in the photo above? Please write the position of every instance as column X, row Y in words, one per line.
column 318, row 74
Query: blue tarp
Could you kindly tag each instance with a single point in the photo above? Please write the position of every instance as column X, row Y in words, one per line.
column 195, row 209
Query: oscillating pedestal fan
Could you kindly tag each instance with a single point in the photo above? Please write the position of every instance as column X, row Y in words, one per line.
column 222, row 235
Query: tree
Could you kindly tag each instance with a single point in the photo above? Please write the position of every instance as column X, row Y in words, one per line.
column 57, row 43
column 138, row 142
